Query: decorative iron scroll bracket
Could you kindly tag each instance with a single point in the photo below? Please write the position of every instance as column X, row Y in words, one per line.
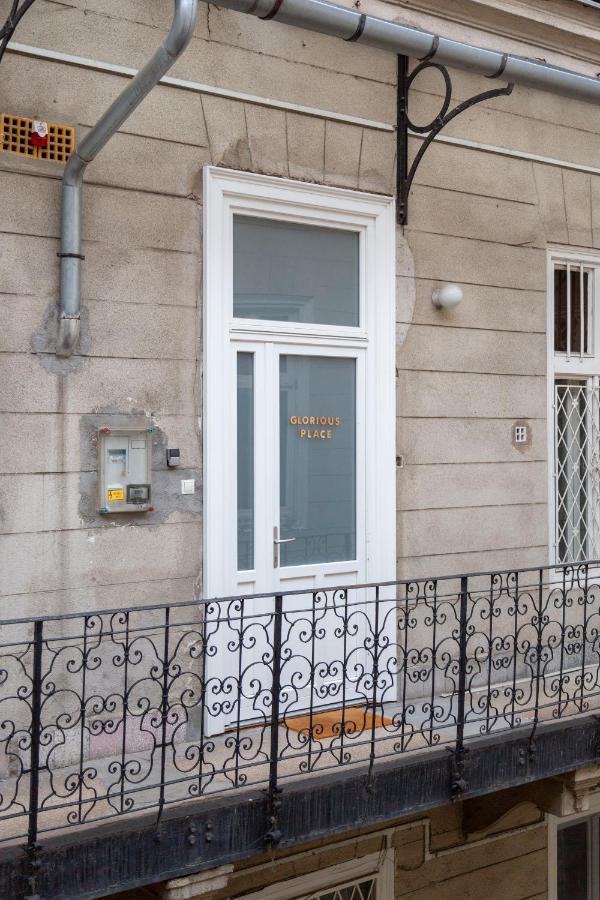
column 405, row 175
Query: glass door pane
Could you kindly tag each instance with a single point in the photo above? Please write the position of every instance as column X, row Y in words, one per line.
column 245, row 461
column 317, row 459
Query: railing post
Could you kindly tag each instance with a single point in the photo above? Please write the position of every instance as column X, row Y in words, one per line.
column 374, row 704
column 34, row 765
column 273, row 835
column 459, row 784
column 164, row 714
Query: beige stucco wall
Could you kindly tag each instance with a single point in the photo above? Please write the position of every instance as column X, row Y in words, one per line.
column 485, row 221
column 466, row 498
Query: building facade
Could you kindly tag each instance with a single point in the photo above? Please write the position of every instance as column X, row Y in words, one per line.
column 272, row 392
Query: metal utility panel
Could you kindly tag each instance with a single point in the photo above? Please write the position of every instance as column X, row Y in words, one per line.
column 125, row 468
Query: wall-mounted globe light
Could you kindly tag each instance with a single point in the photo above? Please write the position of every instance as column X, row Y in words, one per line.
column 447, row 296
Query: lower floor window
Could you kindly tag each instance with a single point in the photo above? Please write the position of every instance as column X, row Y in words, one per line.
column 359, row 890
column 578, row 860
column 363, row 878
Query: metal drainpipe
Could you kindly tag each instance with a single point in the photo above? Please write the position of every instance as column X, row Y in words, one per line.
column 351, row 25
column 179, row 36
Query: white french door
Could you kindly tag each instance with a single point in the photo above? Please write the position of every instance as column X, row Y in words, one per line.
column 299, row 453
column 299, row 424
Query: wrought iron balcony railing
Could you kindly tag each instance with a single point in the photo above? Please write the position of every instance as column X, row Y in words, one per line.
column 109, row 714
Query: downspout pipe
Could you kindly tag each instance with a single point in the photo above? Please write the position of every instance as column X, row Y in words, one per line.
column 353, row 26
column 178, row 38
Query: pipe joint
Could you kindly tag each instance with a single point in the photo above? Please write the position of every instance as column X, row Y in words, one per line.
column 68, row 334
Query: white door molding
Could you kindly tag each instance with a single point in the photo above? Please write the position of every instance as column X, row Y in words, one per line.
column 225, row 193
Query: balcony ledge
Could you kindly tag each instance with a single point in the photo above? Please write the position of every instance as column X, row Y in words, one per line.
column 210, row 832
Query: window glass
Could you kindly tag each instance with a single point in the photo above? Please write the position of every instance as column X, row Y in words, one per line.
column 572, row 311
column 245, row 461
column 572, row 863
column 317, row 459
column 287, row 272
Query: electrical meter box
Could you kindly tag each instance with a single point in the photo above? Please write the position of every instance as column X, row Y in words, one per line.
column 125, row 466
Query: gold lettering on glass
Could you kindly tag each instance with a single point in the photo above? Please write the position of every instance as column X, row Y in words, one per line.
column 321, row 434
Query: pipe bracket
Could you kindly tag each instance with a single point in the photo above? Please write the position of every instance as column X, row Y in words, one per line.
column 359, row 29
column 433, row 49
column 273, row 11
column 500, row 71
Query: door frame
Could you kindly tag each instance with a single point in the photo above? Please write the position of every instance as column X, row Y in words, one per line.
column 227, row 192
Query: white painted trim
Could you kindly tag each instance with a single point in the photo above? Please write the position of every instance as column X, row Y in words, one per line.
column 199, row 88
column 550, row 409
column 226, row 191
column 515, row 154
column 379, row 865
column 194, row 86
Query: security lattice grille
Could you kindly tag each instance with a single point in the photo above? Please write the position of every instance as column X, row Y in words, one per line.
column 360, row 890
column 577, row 469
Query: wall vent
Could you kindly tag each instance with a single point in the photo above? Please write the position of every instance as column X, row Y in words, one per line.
column 15, row 138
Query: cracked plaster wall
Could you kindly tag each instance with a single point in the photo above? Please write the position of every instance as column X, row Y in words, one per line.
column 466, row 497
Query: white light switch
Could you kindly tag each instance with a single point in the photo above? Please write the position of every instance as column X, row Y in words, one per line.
column 188, row 485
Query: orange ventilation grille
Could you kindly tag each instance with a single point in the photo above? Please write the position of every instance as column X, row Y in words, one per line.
column 15, row 137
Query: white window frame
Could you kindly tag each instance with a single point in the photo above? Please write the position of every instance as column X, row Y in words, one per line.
column 375, row 865
column 227, row 192
column 577, row 366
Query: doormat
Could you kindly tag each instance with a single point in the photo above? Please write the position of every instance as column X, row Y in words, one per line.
column 329, row 723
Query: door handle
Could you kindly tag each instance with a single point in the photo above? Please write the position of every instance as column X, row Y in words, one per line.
column 276, row 542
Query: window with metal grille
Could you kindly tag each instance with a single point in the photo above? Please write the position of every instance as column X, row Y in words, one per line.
column 368, row 877
column 359, row 890
column 15, row 138
column 575, row 293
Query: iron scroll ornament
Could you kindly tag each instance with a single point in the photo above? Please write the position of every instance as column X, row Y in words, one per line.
column 405, row 175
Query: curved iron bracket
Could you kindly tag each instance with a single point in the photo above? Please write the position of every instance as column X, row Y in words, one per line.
column 405, row 175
